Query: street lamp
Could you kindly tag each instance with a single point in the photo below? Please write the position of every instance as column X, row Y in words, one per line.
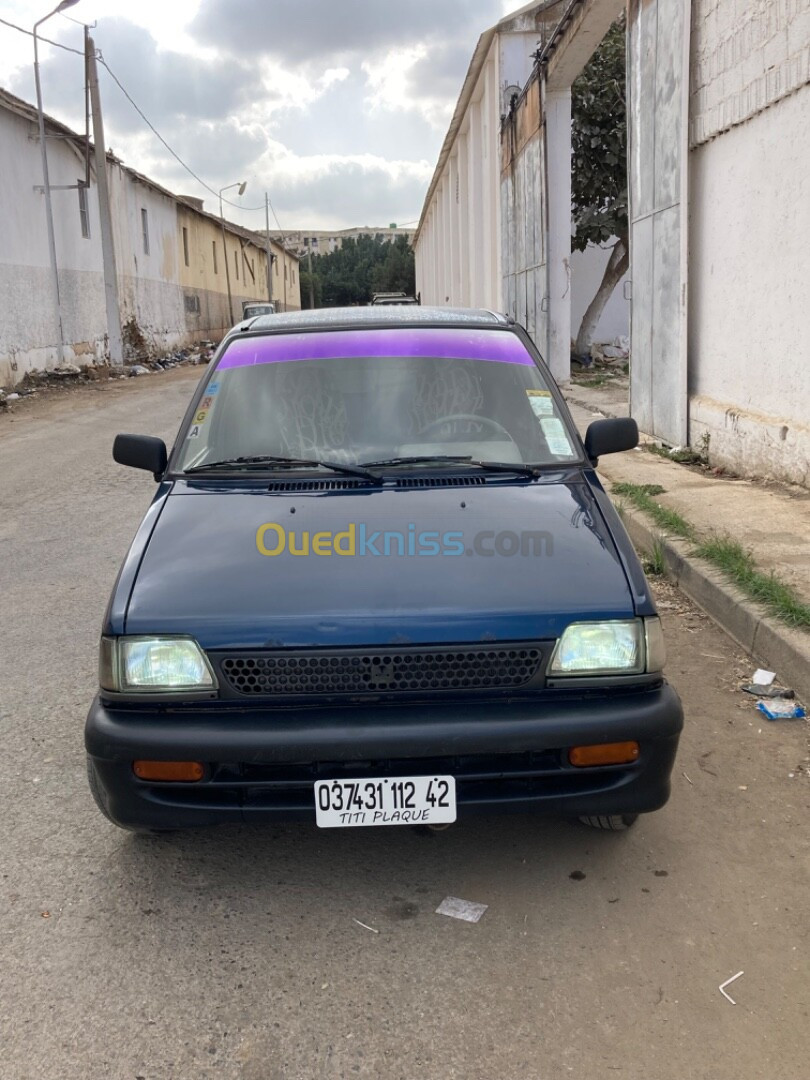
column 241, row 185
column 46, row 186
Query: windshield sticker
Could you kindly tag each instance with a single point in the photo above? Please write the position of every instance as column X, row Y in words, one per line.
column 499, row 346
column 201, row 415
column 541, row 402
column 556, row 438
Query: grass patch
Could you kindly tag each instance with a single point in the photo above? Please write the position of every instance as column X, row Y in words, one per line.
column 641, row 496
column 654, row 563
column 721, row 551
column 739, row 566
column 592, row 381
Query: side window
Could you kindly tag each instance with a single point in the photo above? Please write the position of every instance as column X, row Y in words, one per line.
column 185, row 245
column 145, row 230
column 84, row 216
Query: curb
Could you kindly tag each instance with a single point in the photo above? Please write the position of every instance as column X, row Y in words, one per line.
column 608, row 410
column 778, row 647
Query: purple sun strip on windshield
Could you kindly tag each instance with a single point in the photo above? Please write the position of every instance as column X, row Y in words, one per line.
column 500, row 346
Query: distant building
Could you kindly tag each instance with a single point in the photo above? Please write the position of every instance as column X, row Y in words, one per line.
column 323, row 243
column 169, row 252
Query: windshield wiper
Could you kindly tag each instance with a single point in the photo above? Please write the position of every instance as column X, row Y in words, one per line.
column 258, row 460
column 459, row 459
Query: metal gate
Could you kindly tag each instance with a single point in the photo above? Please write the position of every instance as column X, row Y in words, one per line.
column 658, row 116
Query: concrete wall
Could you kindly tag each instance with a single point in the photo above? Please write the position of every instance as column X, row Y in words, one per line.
column 524, row 259
column 749, row 275
column 459, row 246
column 457, row 253
column 749, row 283
column 27, row 325
column 164, row 303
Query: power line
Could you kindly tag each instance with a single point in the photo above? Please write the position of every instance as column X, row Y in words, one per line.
column 134, row 105
column 30, row 33
column 158, row 136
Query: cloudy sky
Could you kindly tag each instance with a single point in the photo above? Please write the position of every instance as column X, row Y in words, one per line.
column 338, row 108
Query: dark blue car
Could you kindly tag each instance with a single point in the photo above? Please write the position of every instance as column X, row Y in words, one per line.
column 379, row 583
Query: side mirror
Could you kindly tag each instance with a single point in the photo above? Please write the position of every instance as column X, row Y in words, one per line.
column 141, row 452
column 610, row 437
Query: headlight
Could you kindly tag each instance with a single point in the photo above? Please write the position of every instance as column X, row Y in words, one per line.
column 600, row 648
column 144, row 664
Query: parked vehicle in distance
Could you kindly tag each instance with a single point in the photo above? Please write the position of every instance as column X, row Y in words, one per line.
column 393, row 298
column 252, row 308
column 379, row 583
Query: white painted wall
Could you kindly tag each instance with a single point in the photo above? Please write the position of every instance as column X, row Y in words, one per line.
column 587, row 270
column 749, row 356
column 28, row 330
column 458, row 251
column 749, row 274
column 153, row 287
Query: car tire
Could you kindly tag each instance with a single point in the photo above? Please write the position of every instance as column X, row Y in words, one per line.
column 610, row 822
column 98, row 798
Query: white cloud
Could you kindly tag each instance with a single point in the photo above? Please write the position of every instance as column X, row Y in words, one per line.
column 338, row 108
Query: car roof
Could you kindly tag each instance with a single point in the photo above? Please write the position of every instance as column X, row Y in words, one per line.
column 378, row 315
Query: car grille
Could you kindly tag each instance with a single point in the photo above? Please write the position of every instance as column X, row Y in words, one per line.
column 355, row 672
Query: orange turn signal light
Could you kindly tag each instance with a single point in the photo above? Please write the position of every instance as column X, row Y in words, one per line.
column 614, row 753
column 187, row 771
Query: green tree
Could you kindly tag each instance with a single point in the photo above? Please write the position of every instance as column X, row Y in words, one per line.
column 599, row 168
column 359, row 268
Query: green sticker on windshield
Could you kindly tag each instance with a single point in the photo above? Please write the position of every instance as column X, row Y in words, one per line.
column 541, row 402
column 556, row 438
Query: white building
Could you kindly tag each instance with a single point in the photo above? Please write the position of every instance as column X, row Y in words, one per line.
column 170, row 258
column 324, row 242
column 481, row 237
column 719, row 194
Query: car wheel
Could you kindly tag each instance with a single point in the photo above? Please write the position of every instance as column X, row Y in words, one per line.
column 610, row 822
column 98, row 798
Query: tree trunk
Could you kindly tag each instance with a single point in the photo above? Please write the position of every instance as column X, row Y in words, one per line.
column 614, row 271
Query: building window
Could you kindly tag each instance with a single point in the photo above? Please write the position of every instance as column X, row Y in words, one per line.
column 185, row 245
column 292, row 272
column 84, row 216
column 145, row 230
column 214, row 250
column 236, row 264
column 275, row 260
column 285, row 271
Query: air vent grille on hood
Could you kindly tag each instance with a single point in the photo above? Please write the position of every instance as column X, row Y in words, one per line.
column 318, row 485
column 440, row 481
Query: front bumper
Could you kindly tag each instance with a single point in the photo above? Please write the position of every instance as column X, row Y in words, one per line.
column 261, row 763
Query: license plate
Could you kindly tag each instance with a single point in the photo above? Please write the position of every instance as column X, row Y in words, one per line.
column 397, row 800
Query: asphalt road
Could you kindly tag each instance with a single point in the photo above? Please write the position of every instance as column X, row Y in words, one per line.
column 235, row 953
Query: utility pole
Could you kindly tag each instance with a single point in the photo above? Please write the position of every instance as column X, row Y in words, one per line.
column 309, row 266
column 269, row 252
column 46, row 187
column 114, row 340
column 228, row 187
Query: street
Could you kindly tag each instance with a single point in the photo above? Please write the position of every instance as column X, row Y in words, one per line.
column 240, row 952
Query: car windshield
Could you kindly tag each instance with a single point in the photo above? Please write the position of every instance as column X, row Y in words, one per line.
column 375, row 395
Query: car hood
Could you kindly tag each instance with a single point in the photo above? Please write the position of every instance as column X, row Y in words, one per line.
column 202, row 572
